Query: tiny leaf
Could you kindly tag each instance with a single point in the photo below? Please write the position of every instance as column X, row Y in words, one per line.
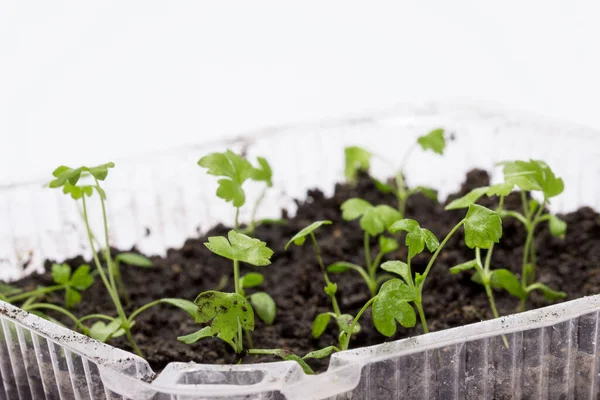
column 354, row 208
column 137, row 260
column 533, row 175
column 357, row 159
column 549, row 294
column 387, row 245
column 322, row 353
column 103, row 332
column 434, row 141
column 341, row 266
column 61, row 273
column 263, row 173
column 558, row 227
column 264, row 306
column 241, row 248
column 416, row 237
column 483, row 227
column 509, row 282
column 320, row 324
column 467, row 199
column 398, row 268
column 194, row 337
column 300, row 237
column 383, row 187
column 251, row 279
column 234, row 170
column 463, row 267
column 344, row 321
column 72, row 297
column 81, row 279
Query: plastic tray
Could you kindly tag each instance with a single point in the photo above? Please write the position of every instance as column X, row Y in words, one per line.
column 552, row 351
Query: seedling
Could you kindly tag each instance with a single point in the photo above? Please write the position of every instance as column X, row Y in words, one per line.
column 234, row 171
column 347, row 324
column 359, row 159
column 374, row 220
column 482, row 227
column 133, row 259
column 528, row 176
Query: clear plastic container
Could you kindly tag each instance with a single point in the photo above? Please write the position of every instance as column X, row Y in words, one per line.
column 157, row 202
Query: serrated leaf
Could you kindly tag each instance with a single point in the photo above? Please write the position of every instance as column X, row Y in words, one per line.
column 231, row 191
column 507, row 280
column 373, row 220
column 416, row 237
column 549, row 294
column 434, row 141
column 387, row 245
column 77, row 192
column 322, row 353
column 241, row 248
column 81, row 279
column 194, row 337
column 103, row 332
column 137, row 260
column 72, row 297
column 356, row 159
column 234, row 170
column 300, row 237
column 263, row 173
column 533, row 175
column 251, row 279
column 463, row 267
column 557, row 226
column 225, row 310
column 61, row 273
column 398, row 268
column 483, row 227
column 320, row 324
column 391, row 306
column 331, row 288
column 354, row 208
column 100, row 172
column 264, row 306
column 64, row 174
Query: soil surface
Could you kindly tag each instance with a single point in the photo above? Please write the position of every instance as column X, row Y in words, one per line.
column 296, row 284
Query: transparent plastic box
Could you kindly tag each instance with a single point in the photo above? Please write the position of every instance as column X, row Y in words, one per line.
column 157, row 202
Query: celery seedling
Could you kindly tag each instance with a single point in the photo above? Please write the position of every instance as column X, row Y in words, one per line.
column 374, row 220
column 482, row 227
column 358, row 159
column 529, row 176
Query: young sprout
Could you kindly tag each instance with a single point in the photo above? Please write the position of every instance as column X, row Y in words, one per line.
column 133, row 259
column 358, row 159
column 374, row 220
column 347, row 324
column 482, row 227
column 528, row 176
column 234, row 171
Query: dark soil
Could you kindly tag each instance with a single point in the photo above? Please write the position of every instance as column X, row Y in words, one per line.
column 295, row 282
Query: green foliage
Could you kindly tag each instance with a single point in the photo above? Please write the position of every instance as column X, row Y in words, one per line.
column 240, row 248
column 373, row 219
column 433, row 141
column 104, row 332
column 300, row 237
column 533, row 175
column 416, row 238
column 549, row 294
column 399, row 268
column 387, row 245
column 557, row 226
column 227, row 311
column 251, row 279
column 357, row 159
column 500, row 189
column 322, row 353
column 320, row 324
column 75, row 282
column 134, row 259
column 483, row 227
column 264, row 306
column 64, row 174
column 391, row 306
column 263, row 173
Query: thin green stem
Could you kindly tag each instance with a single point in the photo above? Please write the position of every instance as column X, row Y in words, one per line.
column 107, row 255
column 37, row 292
column 375, row 265
column 47, row 306
column 437, row 252
column 515, row 215
column 143, row 308
column 236, row 222
column 255, row 209
column 525, row 205
column 96, row 316
column 422, row 316
column 355, row 321
column 236, row 276
column 120, row 286
column 367, row 246
column 336, row 307
column 488, row 259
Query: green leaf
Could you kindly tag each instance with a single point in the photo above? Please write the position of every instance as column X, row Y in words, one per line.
column 500, row 189
column 549, row 294
column 533, row 206
column 344, row 321
column 99, row 172
column 398, row 268
column 72, row 297
column 194, row 337
column 103, row 332
column 418, row 279
column 263, row 173
column 322, row 353
column 77, row 192
column 373, row 220
column 81, row 279
column 320, row 324
column 463, row 267
column 225, row 310
column 390, row 306
column 427, row 192
column 507, row 280
column 64, row 174
column 558, row 227
column 357, row 159
column 251, row 279
column 416, row 238
column 186, row 305
column 241, row 248
column 300, row 237
column 533, row 175
column 331, row 288
column 434, row 141
column 264, row 306
column 483, row 227
column 61, row 273
column 137, row 260
column 234, row 170
column 289, row 356
column 383, row 187
column 387, row 245
column 341, row 266
column 354, row 208
column 477, row 279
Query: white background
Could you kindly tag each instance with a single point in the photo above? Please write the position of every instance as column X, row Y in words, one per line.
column 97, row 81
